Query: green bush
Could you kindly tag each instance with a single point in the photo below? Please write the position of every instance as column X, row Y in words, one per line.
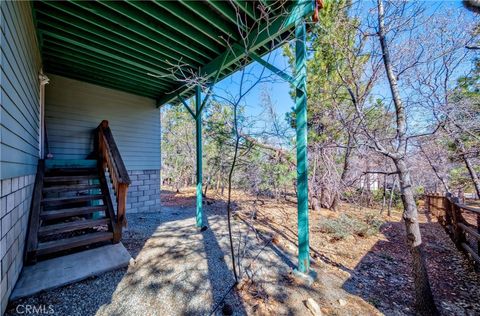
column 396, row 198
column 346, row 225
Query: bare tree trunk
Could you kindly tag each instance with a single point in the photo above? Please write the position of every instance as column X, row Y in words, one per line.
column 473, row 174
column 206, row 188
column 313, row 186
column 423, row 294
column 343, row 177
column 389, row 213
column 384, row 198
column 424, row 302
column 368, row 184
column 219, row 180
column 313, row 197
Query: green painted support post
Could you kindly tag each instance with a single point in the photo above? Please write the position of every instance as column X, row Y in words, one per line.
column 198, row 128
column 302, row 160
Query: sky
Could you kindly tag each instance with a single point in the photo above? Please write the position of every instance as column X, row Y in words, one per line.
column 278, row 89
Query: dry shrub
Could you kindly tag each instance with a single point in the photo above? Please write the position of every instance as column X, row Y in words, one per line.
column 347, row 225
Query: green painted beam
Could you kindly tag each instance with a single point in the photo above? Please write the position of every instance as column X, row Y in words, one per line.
column 167, row 40
column 107, row 44
column 301, row 134
column 61, row 61
column 116, row 82
column 267, row 32
column 97, row 82
column 93, row 48
column 187, row 107
column 185, row 31
column 210, row 89
column 247, row 7
column 79, row 27
column 226, row 9
column 79, row 61
column 155, row 28
column 121, row 42
column 272, row 68
column 105, row 48
column 209, row 16
column 72, row 51
column 167, row 52
column 87, row 71
column 38, row 35
column 199, row 150
column 138, row 86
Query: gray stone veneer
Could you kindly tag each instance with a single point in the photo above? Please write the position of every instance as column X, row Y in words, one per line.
column 144, row 191
column 15, row 199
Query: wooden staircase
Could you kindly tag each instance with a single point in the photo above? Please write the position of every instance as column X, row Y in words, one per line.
column 72, row 207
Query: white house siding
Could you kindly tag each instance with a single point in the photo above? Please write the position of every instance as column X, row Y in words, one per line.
column 20, row 63
column 73, row 109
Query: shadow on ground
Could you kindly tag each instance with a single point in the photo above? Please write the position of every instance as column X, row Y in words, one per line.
column 179, row 270
column 383, row 276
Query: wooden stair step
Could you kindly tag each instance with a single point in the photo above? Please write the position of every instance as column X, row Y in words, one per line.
column 74, row 242
column 70, row 163
column 69, row 212
column 70, row 188
column 71, row 226
column 71, row 172
column 71, row 199
column 70, row 178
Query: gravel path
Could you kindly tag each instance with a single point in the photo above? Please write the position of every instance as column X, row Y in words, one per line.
column 178, row 271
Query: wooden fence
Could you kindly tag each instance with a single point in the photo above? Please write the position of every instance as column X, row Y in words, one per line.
column 452, row 215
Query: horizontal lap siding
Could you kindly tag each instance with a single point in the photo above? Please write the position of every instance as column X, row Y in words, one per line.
column 19, row 91
column 74, row 109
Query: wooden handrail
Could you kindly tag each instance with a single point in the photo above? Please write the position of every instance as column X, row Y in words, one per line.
column 109, row 158
column 469, row 208
column 470, row 231
column 34, row 218
column 449, row 212
column 107, row 143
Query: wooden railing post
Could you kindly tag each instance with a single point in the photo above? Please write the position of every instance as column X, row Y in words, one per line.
column 108, row 199
column 478, row 240
column 121, row 206
column 427, row 203
column 434, row 204
column 34, row 218
column 458, row 234
column 101, row 143
column 443, row 210
column 438, row 205
column 109, row 157
column 448, row 211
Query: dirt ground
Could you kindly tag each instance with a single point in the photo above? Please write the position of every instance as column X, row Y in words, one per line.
column 360, row 257
column 373, row 270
